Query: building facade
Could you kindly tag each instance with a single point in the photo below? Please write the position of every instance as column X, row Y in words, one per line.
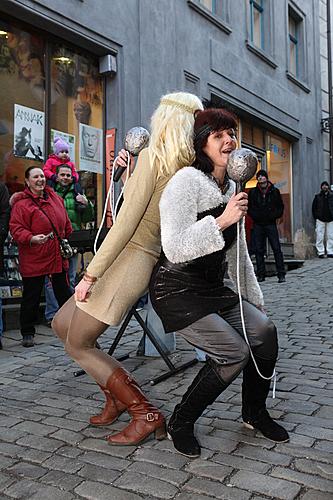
column 91, row 69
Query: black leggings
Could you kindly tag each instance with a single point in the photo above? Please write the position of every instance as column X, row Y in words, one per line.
column 221, row 336
column 32, row 291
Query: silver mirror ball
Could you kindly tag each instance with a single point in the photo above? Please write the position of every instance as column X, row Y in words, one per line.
column 136, row 139
column 242, row 165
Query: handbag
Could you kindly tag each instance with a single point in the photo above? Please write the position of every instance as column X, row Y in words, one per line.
column 66, row 250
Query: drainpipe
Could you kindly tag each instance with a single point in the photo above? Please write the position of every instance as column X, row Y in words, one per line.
column 330, row 96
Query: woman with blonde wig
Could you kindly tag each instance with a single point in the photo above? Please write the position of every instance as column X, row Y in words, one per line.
column 120, row 271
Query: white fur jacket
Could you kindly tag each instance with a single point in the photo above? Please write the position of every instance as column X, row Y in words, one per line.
column 184, row 238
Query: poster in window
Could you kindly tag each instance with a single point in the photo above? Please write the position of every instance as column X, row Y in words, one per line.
column 91, row 149
column 28, row 133
column 69, row 138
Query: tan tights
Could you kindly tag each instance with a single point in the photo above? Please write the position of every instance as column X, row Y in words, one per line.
column 79, row 332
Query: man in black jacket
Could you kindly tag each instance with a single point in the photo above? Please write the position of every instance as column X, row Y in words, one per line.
column 322, row 210
column 4, row 220
column 265, row 207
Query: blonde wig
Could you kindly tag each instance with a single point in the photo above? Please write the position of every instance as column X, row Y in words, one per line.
column 171, row 141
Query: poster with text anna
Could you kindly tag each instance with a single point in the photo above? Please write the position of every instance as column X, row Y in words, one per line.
column 28, row 132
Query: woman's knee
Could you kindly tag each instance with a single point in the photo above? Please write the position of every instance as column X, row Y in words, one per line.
column 267, row 334
column 62, row 318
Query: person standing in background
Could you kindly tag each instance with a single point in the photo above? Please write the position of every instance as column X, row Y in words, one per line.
column 322, row 210
column 265, row 208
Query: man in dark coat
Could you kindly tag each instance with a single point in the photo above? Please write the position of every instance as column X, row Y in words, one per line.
column 265, row 207
column 322, row 210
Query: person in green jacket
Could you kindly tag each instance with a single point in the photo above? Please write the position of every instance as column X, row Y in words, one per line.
column 80, row 211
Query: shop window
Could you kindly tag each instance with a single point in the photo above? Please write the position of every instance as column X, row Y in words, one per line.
column 278, row 160
column 22, row 112
column 76, row 112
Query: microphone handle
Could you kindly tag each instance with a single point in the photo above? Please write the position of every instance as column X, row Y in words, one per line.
column 118, row 173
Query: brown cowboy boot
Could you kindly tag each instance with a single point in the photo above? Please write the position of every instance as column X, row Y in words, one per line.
column 146, row 419
column 111, row 411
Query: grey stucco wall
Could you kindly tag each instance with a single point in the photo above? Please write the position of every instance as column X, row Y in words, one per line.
column 156, row 41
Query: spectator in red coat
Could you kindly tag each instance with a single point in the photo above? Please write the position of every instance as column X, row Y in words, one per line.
column 39, row 250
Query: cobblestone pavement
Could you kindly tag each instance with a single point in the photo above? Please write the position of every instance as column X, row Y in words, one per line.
column 48, row 450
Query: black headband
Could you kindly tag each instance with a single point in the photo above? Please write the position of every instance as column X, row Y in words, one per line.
column 202, row 131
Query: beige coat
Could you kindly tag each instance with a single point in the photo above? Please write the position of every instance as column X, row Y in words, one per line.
column 125, row 260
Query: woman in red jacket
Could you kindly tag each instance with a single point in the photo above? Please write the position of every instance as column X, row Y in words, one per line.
column 38, row 247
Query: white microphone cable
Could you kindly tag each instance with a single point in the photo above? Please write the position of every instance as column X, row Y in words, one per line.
column 108, row 197
column 273, row 376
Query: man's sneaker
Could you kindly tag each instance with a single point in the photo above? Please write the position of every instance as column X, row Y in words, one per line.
column 28, row 341
column 330, row 255
column 1, row 345
column 321, row 256
column 268, row 428
column 281, row 279
column 260, row 279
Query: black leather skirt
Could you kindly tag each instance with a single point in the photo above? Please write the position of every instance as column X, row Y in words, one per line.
column 183, row 293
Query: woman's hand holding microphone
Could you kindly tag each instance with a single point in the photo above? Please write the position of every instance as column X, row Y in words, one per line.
column 234, row 211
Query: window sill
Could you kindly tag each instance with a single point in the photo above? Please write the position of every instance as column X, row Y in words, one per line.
column 298, row 82
column 218, row 21
column 260, row 53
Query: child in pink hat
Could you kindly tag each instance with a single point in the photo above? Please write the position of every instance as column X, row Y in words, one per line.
column 59, row 157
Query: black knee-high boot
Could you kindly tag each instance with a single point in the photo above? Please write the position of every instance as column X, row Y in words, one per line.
column 255, row 390
column 205, row 388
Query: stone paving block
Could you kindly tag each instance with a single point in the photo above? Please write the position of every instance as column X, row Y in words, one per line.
column 325, row 412
column 324, row 445
column 245, row 436
column 192, row 496
column 99, row 474
column 172, row 460
column 48, row 411
column 6, row 462
column 316, row 432
column 266, row 485
column 40, row 443
column 303, row 407
column 146, row 485
column 98, row 491
column 56, row 403
column 215, row 489
column 314, row 421
column 27, row 470
column 316, row 495
column 67, row 436
column 9, row 421
column 209, row 469
column 105, row 447
column 177, row 478
column 268, row 456
column 5, row 480
column 69, row 451
column 61, row 480
column 241, row 463
column 309, row 480
column 63, row 423
column 33, row 455
column 311, row 467
column 36, row 491
column 63, row 464
column 103, row 460
column 34, row 428
column 11, row 435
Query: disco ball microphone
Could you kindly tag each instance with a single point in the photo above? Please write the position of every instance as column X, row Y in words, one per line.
column 135, row 140
column 242, row 166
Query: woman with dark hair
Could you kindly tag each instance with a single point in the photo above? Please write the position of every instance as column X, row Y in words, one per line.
column 199, row 213
column 39, row 250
